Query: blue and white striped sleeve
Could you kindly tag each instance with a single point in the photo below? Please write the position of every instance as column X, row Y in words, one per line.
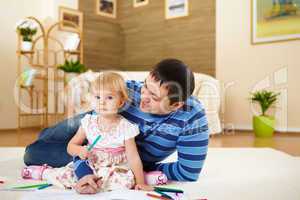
column 192, row 146
column 133, row 88
column 134, row 85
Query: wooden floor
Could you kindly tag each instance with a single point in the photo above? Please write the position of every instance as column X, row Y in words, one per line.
column 286, row 142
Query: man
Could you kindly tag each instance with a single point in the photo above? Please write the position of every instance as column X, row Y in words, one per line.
column 169, row 119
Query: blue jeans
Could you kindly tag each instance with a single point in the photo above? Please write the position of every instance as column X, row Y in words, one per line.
column 51, row 146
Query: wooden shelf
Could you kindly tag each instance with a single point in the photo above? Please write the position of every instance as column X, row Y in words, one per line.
column 27, row 87
column 41, row 77
column 47, row 51
column 38, row 114
column 72, row 52
column 25, row 52
column 30, row 87
column 40, row 66
column 30, row 114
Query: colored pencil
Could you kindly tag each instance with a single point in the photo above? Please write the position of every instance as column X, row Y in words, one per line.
column 94, row 143
column 30, row 186
column 1, row 181
column 164, row 189
column 157, row 197
column 163, row 194
column 10, row 189
column 44, row 186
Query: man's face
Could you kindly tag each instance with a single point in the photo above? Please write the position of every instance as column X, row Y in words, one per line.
column 154, row 97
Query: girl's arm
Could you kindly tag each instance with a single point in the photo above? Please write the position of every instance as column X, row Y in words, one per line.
column 135, row 164
column 74, row 146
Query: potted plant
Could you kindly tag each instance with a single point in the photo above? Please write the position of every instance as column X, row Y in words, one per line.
column 27, row 28
column 72, row 69
column 263, row 125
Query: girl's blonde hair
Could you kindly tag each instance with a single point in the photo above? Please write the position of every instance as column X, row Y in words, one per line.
column 111, row 81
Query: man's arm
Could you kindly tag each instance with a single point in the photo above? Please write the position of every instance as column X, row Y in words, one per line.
column 192, row 146
column 51, row 146
column 63, row 131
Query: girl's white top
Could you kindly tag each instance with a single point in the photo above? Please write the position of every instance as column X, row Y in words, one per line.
column 115, row 138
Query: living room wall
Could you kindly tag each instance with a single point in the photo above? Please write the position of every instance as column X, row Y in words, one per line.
column 140, row 37
column 243, row 66
column 103, row 41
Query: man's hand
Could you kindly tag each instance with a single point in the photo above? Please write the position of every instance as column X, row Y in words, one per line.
column 89, row 184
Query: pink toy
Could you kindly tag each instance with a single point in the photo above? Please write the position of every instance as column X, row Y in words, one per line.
column 33, row 172
column 155, row 178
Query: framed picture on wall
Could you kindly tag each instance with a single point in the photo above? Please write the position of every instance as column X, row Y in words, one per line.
column 275, row 20
column 138, row 3
column 106, row 8
column 176, row 8
column 71, row 19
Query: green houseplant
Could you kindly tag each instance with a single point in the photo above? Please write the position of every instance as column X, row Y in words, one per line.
column 27, row 28
column 263, row 125
column 72, row 69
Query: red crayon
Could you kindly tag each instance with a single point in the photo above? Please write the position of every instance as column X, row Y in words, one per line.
column 157, row 197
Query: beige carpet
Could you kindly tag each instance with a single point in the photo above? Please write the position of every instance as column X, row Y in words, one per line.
column 229, row 173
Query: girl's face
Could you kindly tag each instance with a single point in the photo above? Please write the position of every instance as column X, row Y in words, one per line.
column 106, row 102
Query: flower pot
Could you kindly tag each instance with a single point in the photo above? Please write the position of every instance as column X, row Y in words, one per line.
column 263, row 126
column 26, row 46
column 69, row 76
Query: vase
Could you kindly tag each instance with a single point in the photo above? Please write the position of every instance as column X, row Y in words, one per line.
column 26, row 46
column 263, row 126
column 69, row 76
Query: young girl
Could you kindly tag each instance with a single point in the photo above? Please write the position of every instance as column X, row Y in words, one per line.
column 114, row 158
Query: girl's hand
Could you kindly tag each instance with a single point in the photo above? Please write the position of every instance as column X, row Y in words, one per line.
column 84, row 153
column 144, row 187
column 89, row 184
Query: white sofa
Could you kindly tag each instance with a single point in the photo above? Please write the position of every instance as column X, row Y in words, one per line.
column 207, row 89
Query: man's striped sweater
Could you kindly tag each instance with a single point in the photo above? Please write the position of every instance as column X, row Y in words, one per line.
column 184, row 131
